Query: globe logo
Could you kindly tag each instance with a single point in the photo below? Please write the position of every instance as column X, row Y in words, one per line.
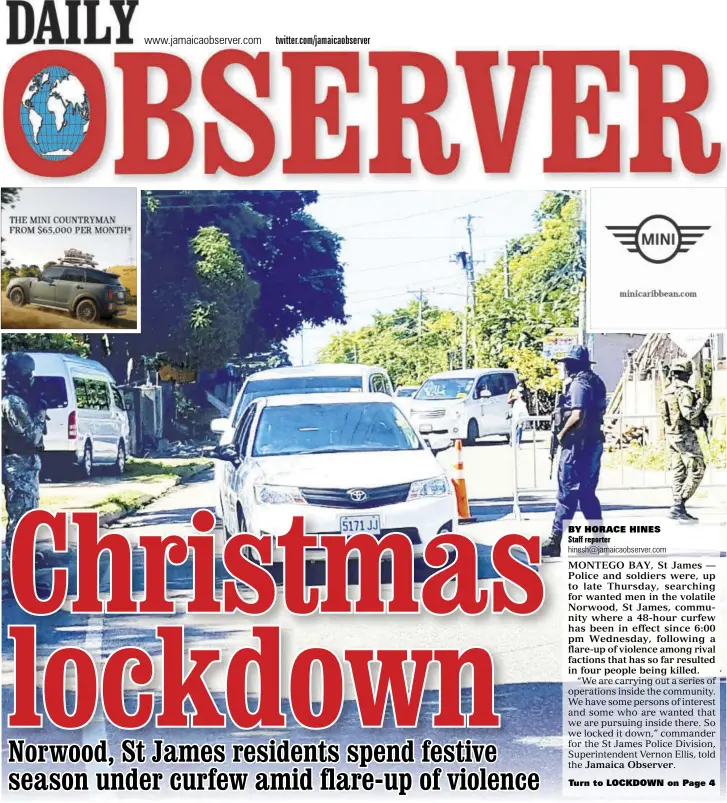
column 55, row 113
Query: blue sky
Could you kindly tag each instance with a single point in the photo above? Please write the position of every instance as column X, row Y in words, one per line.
column 400, row 241
column 109, row 249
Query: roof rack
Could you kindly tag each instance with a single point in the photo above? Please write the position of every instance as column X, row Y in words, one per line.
column 73, row 256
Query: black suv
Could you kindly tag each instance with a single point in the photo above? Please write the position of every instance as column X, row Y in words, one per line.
column 88, row 293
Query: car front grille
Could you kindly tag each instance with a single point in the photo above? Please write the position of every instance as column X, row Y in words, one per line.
column 430, row 413
column 375, row 497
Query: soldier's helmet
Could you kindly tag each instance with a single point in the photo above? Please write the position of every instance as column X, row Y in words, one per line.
column 681, row 367
column 18, row 365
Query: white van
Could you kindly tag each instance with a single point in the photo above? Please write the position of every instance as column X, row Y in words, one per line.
column 465, row 404
column 333, row 378
column 88, row 424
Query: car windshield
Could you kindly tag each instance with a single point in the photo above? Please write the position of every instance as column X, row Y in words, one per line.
column 452, row 388
column 406, row 391
column 287, row 385
column 331, row 428
column 52, row 389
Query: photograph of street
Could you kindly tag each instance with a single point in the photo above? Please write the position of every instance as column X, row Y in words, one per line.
column 69, row 258
column 381, row 361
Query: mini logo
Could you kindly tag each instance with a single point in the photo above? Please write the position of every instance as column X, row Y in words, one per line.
column 357, row 495
column 658, row 238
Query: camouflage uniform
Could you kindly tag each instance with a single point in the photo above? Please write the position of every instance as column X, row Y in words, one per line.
column 681, row 412
column 23, row 428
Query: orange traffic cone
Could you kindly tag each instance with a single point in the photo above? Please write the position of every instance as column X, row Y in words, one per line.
column 460, row 487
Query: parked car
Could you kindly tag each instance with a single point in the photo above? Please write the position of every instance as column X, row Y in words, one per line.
column 334, row 378
column 348, row 463
column 466, row 404
column 88, row 424
column 87, row 293
column 403, row 397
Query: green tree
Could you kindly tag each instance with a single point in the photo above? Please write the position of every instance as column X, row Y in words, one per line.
column 8, row 197
column 68, row 344
column 217, row 314
column 292, row 275
column 545, row 269
column 394, row 342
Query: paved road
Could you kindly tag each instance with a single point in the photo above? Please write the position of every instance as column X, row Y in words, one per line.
column 29, row 317
column 526, row 650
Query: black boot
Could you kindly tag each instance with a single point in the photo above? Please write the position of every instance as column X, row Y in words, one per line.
column 679, row 513
column 551, row 548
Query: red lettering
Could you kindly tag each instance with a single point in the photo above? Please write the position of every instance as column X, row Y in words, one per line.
column 371, row 551
column 22, row 562
column 25, row 713
column 238, row 110
column 517, row 572
column 496, row 149
column 463, row 569
column 90, row 547
column 305, row 112
column 177, row 687
column 16, row 83
column 113, row 688
column 406, row 697
column 138, row 111
column 392, row 111
column 294, row 592
column 267, row 658
column 450, row 692
column 331, row 688
column 249, row 573
column 653, row 110
column 156, row 551
column 203, row 575
column 54, row 688
column 566, row 110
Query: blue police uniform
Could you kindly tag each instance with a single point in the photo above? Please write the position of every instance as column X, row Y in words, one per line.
column 581, row 449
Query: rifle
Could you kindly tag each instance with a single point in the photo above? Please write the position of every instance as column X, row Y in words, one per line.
column 704, row 389
column 555, row 427
column 38, row 405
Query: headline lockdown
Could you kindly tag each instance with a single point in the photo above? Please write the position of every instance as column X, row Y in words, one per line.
column 497, row 134
column 452, row 587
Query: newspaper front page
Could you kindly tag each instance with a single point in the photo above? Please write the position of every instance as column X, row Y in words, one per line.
column 363, row 400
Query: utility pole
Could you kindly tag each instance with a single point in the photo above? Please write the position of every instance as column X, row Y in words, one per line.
column 462, row 258
column 420, row 322
column 507, row 275
column 582, row 306
column 468, row 264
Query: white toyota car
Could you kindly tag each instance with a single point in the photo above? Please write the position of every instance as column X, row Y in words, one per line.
column 347, row 463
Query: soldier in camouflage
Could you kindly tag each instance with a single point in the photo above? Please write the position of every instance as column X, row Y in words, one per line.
column 682, row 412
column 23, row 427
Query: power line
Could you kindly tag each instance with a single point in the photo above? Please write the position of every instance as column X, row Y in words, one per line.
column 419, row 214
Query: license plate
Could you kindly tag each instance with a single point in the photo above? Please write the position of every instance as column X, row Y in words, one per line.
column 121, row 312
column 352, row 525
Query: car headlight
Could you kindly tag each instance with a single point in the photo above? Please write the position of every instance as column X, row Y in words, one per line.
column 279, row 495
column 437, row 486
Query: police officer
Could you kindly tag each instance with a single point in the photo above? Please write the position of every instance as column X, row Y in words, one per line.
column 581, row 445
column 23, row 427
column 683, row 412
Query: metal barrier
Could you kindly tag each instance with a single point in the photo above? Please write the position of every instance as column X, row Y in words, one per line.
column 616, row 428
